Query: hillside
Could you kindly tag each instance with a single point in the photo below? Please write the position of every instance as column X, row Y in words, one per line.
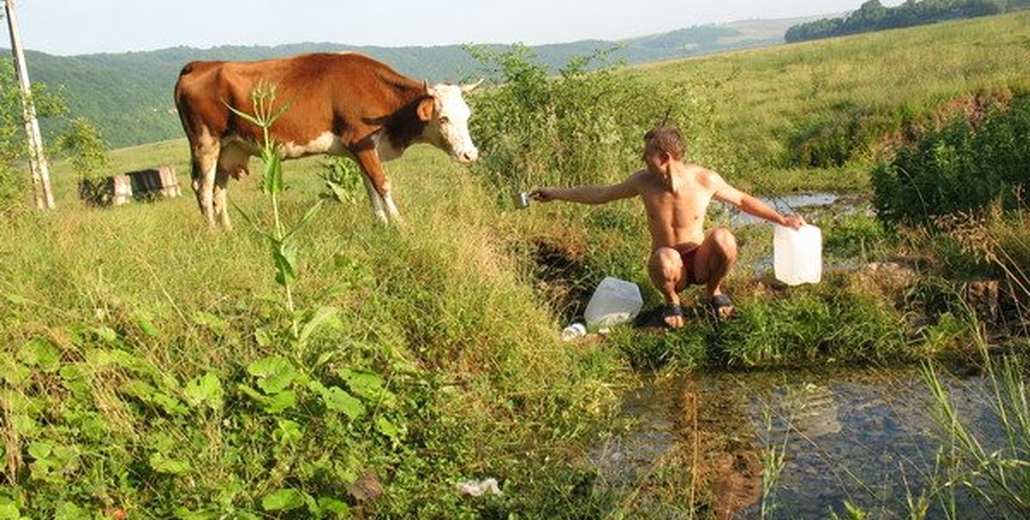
column 128, row 96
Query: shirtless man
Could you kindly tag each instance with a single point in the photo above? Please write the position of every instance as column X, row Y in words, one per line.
column 676, row 195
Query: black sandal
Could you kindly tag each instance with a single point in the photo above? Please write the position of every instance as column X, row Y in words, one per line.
column 672, row 310
column 718, row 303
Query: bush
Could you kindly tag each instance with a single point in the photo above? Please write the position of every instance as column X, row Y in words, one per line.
column 86, row 148
column 585, row 126
column 962, row 168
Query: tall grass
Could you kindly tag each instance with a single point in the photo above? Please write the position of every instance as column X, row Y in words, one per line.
column 139, row 352
column 997, row 474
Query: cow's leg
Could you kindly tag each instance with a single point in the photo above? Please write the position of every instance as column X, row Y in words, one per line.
column 205, row 163
column 378, row 186
column 378, row 206
column 221, row 198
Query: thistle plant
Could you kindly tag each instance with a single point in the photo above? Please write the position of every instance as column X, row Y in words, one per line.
column 282, row 240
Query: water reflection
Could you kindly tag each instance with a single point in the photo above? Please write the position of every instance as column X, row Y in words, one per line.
column 866, row 437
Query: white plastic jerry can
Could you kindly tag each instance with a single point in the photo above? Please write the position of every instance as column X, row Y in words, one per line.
column 798, row 254
column 614, row 301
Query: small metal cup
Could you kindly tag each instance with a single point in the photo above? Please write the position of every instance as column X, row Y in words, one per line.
column 522, row 200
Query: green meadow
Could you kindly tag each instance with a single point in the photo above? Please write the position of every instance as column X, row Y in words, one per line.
column 155, row 368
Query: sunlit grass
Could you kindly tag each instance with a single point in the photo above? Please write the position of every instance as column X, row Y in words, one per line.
column 767, row 99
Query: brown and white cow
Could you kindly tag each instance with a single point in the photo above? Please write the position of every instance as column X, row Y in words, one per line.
column 339, row 104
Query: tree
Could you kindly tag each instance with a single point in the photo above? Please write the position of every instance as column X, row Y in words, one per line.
column 85, row 146
column 13, row 145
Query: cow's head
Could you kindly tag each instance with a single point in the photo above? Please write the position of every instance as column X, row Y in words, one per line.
column 447, row 120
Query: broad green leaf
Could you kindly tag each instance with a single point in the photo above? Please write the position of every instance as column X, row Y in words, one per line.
column 206, row 389
column 170, row 405
column 284, row 500
column 338, row 508
column 387, row 428
column 70, row 511
column 274, row 373
column 146, row 324
column 206, row 319
column 285, row 257
column 14, row 373
column 273, row 179
column 263, row 337
column 41, row 450
column 281, row 402
column 275, row 404
column 138, row 389
column 9, row 509
column 107, row 334
column 288, row 432
column 74, row 378
column 367, row 384
column 164, row 464
column 322, row 316
column 181, row 513
column 40, row 353
column 338, row 400
column 123, row 359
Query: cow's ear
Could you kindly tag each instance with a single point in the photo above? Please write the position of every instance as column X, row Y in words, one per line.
column 426, row 108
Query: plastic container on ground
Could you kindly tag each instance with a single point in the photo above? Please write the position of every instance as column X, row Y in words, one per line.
column 798, row 254
column 613, row 302
column 574, row 331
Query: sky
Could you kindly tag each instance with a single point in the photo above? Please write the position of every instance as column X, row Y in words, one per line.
column 71, row 27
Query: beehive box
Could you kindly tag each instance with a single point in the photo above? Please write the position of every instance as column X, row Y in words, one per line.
column 155, row 183
column 149, row 184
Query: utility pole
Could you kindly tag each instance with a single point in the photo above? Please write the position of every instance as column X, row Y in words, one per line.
column 37, row 160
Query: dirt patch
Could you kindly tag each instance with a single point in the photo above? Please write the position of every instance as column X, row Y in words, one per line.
column 561, row 277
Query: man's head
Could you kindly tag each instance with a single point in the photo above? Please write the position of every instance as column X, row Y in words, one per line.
column 662, row 146
column 665, row 139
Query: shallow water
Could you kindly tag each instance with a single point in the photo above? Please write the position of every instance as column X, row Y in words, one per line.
column 787, row 205
column 867, row 436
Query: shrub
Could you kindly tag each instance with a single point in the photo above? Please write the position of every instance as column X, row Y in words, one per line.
column 585, row 126
column 85, row 145
column 343, row 179
column 961, row 168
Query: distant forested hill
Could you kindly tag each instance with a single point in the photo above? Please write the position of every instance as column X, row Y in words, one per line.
column 873, row 16
column 129, row 95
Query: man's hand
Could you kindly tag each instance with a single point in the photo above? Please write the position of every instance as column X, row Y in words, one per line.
column 542, row 194
column 794, row 221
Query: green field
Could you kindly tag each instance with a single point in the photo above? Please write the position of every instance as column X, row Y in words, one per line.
column 151, row 365
column 862, row 93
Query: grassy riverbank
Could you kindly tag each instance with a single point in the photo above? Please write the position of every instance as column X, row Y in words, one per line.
column 140, row 348
column 151, row 366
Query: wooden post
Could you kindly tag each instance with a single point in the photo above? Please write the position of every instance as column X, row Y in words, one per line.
column 37, row 159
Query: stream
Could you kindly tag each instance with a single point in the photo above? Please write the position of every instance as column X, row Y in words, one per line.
column 863, row 436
